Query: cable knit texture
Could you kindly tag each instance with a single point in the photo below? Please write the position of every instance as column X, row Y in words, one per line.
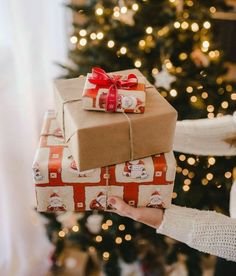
column 205, row 231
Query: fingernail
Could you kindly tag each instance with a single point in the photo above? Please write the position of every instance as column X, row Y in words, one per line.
column 112, row 201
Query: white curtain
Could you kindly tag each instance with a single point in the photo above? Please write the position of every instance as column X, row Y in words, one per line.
column 32, row 39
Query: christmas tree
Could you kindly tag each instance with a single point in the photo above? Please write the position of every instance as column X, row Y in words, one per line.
column 172, row 43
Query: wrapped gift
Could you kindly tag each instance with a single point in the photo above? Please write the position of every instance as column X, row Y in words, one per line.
column 98, row 139
column 114, row 92
column 60, row 186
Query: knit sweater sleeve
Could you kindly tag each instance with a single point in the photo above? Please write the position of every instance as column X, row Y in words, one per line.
column 205, row 231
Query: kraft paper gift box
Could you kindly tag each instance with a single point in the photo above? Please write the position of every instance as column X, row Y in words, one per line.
column 61, row 187
column 98, row 139
column 99, row 92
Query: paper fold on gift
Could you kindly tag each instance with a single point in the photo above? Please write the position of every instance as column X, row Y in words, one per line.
column 98, row 139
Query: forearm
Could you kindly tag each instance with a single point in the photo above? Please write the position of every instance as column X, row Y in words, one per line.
column 205, row 231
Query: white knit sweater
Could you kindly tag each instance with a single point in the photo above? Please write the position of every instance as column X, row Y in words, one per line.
column 205, row 231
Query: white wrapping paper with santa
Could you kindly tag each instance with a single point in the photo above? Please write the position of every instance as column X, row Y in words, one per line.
column 61, row 187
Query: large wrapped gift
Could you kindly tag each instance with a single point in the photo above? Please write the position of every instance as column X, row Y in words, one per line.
column 98, row 139
column 113, row 92
column 60, row 186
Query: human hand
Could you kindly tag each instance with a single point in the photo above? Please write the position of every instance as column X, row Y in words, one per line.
column 150, row 216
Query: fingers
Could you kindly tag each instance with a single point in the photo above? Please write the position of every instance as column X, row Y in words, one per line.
column 122, row 208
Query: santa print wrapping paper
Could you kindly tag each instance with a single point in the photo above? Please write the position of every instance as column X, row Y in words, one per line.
column 130, row 96
column 61, row 187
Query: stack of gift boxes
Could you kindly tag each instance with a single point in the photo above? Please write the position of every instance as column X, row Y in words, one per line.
column 94, row 145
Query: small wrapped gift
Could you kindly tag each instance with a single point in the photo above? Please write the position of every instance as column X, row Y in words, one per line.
column 114, row 92
column 60, row 186
column 98, row 139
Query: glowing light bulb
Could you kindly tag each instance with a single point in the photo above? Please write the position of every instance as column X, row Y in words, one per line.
column 194, row 27
column 187, row 181
column 61, row 234
column 110, row 43
column 173, row 93
column 135, row 7
column 74, row 39
column 210, row 108
column 182, row 157
column 100, row 35
column 121, row 227
column 123, row 50
column 184, row 25
column 183, row 56
column 186, row 188
column 149, row 30
column 225, row 104
column 189, row 89
column 116, row 14
column 118, row 240
column 193, row 99
column 123, row 9
column 93, row 36
column 204, row 95
column 174, row 195
column 177, row 25
column 191, row 161
column 155, row 71
column 209, row 176
column 205, row 44
column 98, row 238
column 212, row 9
column 211, row 160
column 75, row 228
column 99, row 11
column 105, row 256
column 128, row 237
column 233, row 96
column 138, row 63
column 83, row 41
column 83, row 32
column 228, row 174
column 207, row 25
column 204, row 181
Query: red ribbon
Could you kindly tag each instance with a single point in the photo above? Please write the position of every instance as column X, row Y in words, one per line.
column 113, row 82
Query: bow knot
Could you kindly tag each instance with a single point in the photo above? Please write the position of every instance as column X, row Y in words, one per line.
column 113, row 82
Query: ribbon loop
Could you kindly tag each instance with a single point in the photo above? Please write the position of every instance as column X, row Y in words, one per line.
column 113, row 82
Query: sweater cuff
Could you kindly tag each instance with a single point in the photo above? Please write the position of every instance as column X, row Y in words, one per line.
column 178, row 223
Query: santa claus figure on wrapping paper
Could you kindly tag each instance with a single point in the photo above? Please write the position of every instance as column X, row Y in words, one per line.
column 99, row 203
column 37, row 173
column 124, row 102
column 135, row 169
column 73, row 169
column 155, row 201
column 55, row 203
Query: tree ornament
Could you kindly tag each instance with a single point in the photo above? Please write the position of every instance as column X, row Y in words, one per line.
column 94, row 223
column 164, row 78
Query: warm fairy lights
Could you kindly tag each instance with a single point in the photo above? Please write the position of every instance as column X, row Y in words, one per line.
column 75, row 228
column 225, row 104
column 74, row 39
column 123, row 50
column 135, row 7
column 182, row 157
column 193, row 99
column 207, row 25
column 194, row 27
column 82, row 32
column 128, row 237
column 93, row 36
column 212, row 9
column 189, row 89
column 210, row 108
column 186, row 188
column 177, row 25
column 174, row 195
column 187, row 181
column 204, row 181
column 149, row 30
column 121, row 227
column 98, row 238
column 209, row 176
column 61, row 234
column 100, row 35
column 173, row 93
column 228, row 174
column 106, row 256
column 105, row 226
column 109, row 222
column 204, row 95
column 184, row 25
column 138, row 63
column 118, row 240
column 83, row 41
column 99, row 11
column 123, row 9
column 110, row 43
column 191, row 161
column 183, row 56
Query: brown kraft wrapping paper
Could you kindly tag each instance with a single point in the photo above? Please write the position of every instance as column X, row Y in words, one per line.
column 98, row 139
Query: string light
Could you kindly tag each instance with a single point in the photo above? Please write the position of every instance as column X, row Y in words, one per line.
column 183, row 56
column 171, row 1
column 193, row 99
column 174, row 195
column 187, row 181
column 98, row 238
column 121, row 227
column 135, row 7
column 211, row 160
column 194, row 27
column 228, row 174
column 168, row 64
column 204, row 95
column 109, row 222
column 205, row 44
column 142, row 43
column 210, row 115
column 75, row 228
column 123, row 9
column 225, row 104
column 190, row 3
column 189, row 89
column 186, row 188
column 116, row 14
column 207, row 25
column 99, row 11
column 233, row 96
column 177, row 25
column 173, row 93
column 185, row 172
column 185, row 15
column 210, row 108
column 219, row 80
column 212, row 9
column 93, row 36
column 149, row 30
column 229, row 88
column 83, row 41
column 184, row 25
column 155, row 71
column 83, row 32
column 182, row 157
column 191, row 161
column 100, row 35
column 105, row 256
column 179, row 169
column 105, row 226
column 118, row 240
column 191, row 174
column 74, row 39
column 204, row 181
column 128, row 237
column 110, row 43
column 123, row 50
column 138, row 63
column 61, row 234
column 209, row 176
column 178, row 69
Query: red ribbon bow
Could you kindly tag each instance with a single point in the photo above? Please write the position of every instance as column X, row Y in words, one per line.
column 113, row 82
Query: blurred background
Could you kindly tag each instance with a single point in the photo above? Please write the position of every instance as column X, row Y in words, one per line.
column 187, row 49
